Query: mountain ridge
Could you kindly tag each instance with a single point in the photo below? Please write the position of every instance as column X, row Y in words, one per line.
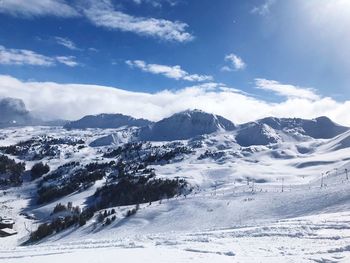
column 180, row 126
column 184, row 125
column 106, row 121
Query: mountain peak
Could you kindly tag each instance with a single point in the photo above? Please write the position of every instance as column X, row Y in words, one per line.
column 318, row 128
column 185, row 125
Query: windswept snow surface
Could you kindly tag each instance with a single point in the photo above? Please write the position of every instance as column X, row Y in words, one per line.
column 287, row 201
column 322, row 238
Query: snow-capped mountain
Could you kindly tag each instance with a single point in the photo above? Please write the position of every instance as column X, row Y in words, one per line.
column 191, row 123
column 106, row 121
column 180, row 126
column 274, row 130
column 185, row 125
column 319, row 128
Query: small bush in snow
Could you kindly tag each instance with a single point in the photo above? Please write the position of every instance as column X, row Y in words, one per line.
column 59, row 208
column 132, row 211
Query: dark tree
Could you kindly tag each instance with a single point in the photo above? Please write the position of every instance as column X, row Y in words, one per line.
column 38, row 170
column 10, row 171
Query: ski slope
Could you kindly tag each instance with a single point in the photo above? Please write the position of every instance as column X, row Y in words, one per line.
column 264, row 203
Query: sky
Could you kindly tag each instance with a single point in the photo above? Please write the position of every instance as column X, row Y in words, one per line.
column 243, row 59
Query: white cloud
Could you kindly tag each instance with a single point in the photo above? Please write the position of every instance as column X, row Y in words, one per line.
column 67, row 60
column 236, row 63
column 263, row 9
column 157, row 3
column 76, row 100
column 173, row 72
column 66, row 43
column 30, row 8
column 103, row 14
column 10, row 56
column 285, row 90
column 93, row 49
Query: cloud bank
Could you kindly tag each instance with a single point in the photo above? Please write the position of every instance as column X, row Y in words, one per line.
column 72, row 101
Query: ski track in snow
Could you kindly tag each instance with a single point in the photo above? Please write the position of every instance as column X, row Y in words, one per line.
column 323, row 238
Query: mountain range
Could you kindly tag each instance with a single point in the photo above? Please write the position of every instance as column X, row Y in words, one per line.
column 180, row 126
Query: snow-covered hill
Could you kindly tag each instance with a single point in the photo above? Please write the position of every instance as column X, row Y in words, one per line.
column 319, row 128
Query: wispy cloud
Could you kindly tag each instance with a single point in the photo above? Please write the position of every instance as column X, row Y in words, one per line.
column 235, row 63
column 41, row 97
column 103, row 14
column 173, row 72
column 157, row 3
column 10, row 56
column 32, row 8
column 66, row 43
column 67, row 60
column 285, row 90
column 263, row 9
column 100, row 13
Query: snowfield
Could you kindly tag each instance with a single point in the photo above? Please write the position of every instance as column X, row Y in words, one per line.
column 287, row 200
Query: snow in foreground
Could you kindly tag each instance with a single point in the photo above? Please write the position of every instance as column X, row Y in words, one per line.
column 321, row 238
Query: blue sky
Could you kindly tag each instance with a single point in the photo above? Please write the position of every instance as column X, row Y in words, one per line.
column 272, row 50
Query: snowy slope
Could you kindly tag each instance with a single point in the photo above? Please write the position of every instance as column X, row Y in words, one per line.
column 285, row 199
column 257, row 134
